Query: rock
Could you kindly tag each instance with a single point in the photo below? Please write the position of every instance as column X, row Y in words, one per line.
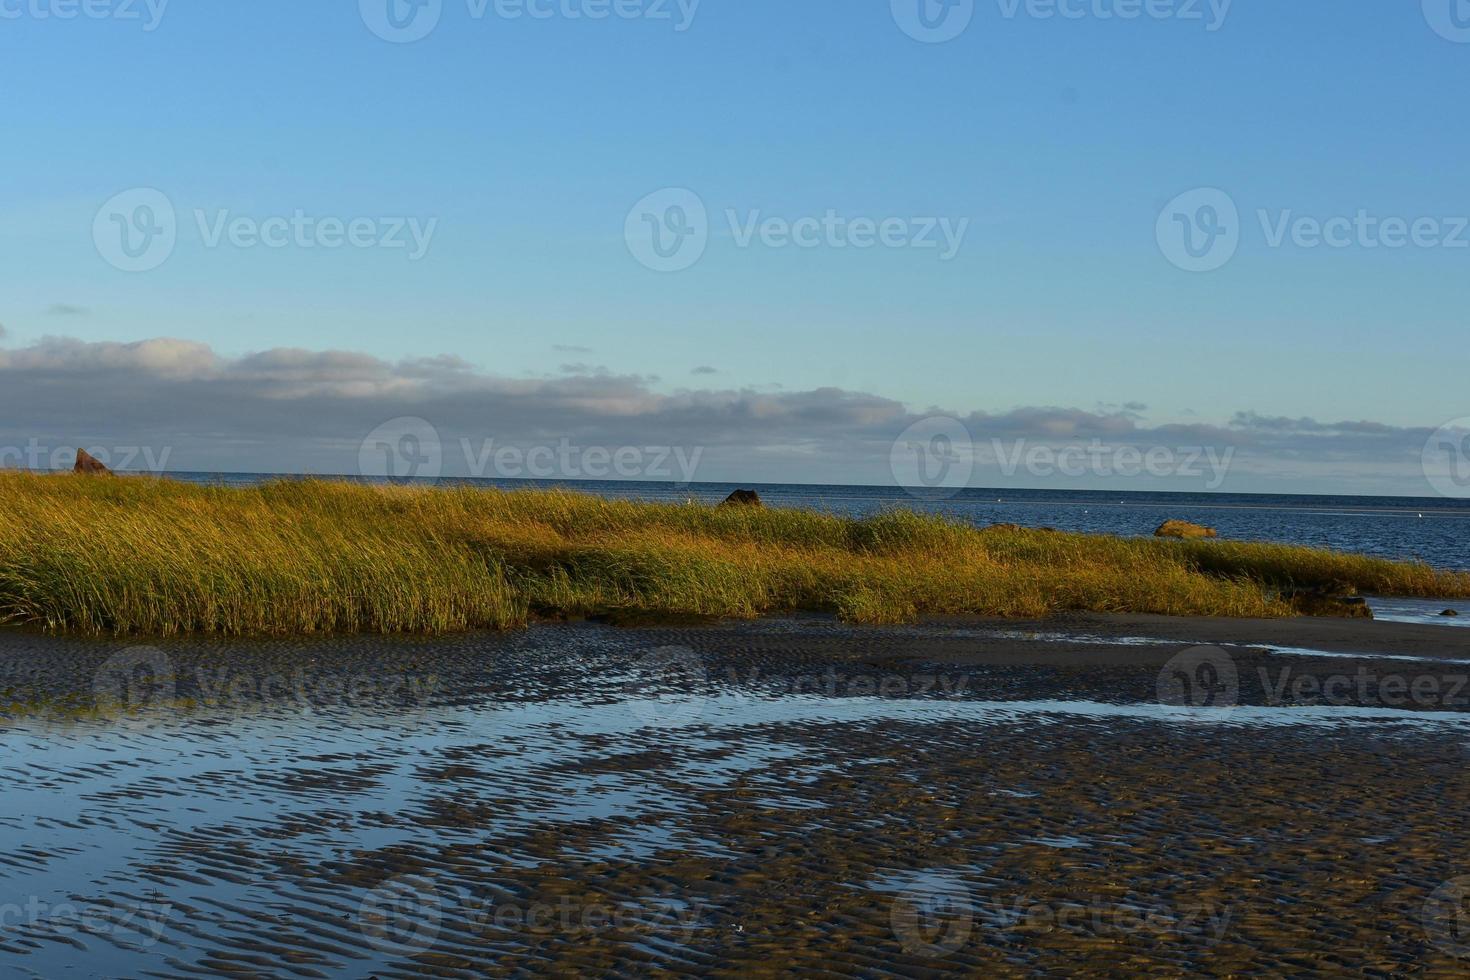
column 1314, row 602
column 1450, row 612
column 1184, row 529
column 88, row 465
column 743, row 498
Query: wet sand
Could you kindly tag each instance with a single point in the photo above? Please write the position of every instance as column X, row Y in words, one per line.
column 785, row 797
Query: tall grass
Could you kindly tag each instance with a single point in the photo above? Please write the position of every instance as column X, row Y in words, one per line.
column 160, row 557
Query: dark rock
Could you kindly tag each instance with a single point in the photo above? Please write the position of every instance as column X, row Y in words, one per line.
column 89, row 465
column 1184, row 529
column 1450, row 612
column 743, row 498
column 1314, row 602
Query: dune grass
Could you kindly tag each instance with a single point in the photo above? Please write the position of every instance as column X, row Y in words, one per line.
column 156, row 557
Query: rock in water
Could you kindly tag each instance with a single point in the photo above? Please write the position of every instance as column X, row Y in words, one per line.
column 89, row 465
column 743, row 498
column 1184, row 529
column 1450, row 612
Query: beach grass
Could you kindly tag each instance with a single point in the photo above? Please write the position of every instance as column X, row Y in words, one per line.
column 158, row 557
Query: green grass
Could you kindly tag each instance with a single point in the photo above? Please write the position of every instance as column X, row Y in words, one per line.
column 143, row 556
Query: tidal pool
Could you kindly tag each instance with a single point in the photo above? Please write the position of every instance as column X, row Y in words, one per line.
column 721, row 800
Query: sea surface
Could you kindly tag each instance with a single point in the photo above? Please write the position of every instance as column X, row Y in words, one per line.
column 1431, row 529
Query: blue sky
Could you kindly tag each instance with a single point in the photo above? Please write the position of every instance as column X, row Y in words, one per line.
column 1057, row 139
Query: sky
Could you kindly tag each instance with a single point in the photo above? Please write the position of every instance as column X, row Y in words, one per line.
column 781, row 234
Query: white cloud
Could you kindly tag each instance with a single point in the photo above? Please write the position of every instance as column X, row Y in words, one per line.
column 296, row 410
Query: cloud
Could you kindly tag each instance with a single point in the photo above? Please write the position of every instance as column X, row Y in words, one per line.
column 66, row 309
column 571, row 349
column 704, row 369
column 298, row 410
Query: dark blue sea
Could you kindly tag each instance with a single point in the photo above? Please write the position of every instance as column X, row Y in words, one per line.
column 1432, row 529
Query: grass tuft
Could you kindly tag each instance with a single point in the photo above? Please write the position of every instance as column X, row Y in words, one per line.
column 157, row 557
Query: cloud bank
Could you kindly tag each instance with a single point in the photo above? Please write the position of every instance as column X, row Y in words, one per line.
column 303, row 411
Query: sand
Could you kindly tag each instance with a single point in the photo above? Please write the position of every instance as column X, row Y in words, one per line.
column 771, row 798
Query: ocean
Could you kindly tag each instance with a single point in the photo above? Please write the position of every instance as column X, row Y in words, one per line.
column 1430, row 529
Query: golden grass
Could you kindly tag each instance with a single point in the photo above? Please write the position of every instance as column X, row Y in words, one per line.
column 158, row 557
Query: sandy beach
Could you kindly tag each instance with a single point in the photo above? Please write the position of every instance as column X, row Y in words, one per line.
column 741, row 798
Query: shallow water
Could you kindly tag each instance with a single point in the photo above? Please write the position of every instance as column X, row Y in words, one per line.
column 624, row 802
